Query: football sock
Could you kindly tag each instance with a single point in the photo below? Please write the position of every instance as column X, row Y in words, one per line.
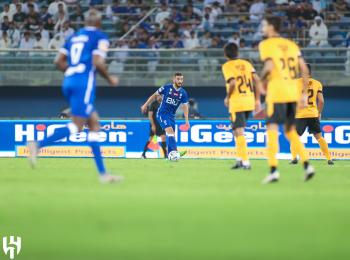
column 324, row 148
column 163, row 144
column 272, row 148
column 293, row 152
column 171, row 142
column 145, row 148
column 294, row 140
column 238, row 151
column 242, row 147
column 58, row 134
column 93, row 138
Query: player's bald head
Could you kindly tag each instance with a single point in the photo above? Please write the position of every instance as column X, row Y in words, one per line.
column 93, row 18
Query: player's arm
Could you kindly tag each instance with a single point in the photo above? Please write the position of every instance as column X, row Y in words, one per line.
column 258, row 89
column 149, row 101
column 267, row 68
column 320, row 103
column 304, row 71
column 185, row 108
column 231, row 88
column 101, row 67
column 61, row 61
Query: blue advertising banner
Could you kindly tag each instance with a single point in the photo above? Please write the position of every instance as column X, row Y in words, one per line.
column 126, row 139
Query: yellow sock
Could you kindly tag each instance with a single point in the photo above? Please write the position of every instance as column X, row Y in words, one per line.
column 238, row 150
column 293, row 152
column 295, row 142
column 242, row 147
column 324, row 148
column 272, row 147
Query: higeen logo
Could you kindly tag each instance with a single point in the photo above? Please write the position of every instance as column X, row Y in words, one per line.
column 30, row 132
column 12, row 247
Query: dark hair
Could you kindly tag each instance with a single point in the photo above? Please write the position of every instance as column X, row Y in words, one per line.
column 231, row 50
column 275, row 21
column 176, row 74
column 309, row 67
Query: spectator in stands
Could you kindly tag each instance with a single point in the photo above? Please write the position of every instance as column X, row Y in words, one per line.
column 39, row 43
column 26, row 42
column 192, row 42
column 113, row 10
column 32, row 13
column 205, row 40
column 341, row 7
column 14, row 34
column 175, row 15
column 26, row 6
column 169, row 27
column 44, row 14
column 216, row 10
column 54, row 7
column 67, row 30
column 50, row 26
column 306, row 10
column 242, row 44
column 77, row 16
column 177, row 43
column 234, row 38
column 208, row 19
column 319, row 5
column 5, row 25
column 45, row 34
column 191, row 16
column 6, row 13
column 19, row 16
column 32, row 24
column 162, row 14
column 257, row 10
column 13, row 6
column 60, row 18
column 158, row 33
column 56, row 42
column 5, row 42
column 96, row 2
column 318, row 33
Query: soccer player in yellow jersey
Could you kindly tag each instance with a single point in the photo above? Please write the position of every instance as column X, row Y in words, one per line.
column 282, row 65
column 309, row 117
column 241, row 100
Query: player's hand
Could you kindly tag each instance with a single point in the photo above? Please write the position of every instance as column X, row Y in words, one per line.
column 226, row 102
column 144, row 109
column 153, row 128
column 257, row 106
column 303, row 101
column 113, row 81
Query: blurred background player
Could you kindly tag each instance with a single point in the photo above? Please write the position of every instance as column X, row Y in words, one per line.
column 282, row 63
column 155, row 128
column 173, row 95
column 80, row 57
column 309, row 117
column 241, row 81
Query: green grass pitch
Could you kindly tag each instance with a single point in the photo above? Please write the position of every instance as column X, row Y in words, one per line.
column 193, row 209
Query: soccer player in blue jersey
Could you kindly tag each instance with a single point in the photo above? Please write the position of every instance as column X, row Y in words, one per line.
column 173, row 96
column 82, row 55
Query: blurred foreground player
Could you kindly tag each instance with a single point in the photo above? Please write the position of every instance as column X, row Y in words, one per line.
column 173, row 95
column 309, row 117
column 156, row 129
column 282, row 64
column 82, row 54
column 243, row 87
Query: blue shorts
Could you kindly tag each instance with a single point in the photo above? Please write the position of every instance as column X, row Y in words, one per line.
column 166, row 121
column 79, row 91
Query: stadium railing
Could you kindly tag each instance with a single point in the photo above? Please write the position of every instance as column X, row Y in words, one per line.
column 149, row 67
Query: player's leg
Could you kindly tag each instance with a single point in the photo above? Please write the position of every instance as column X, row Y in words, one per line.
column 93, row 139
column 315, row 129
column 275, row 116
column 241, row 143
column 238, row 164
column 170, row 139
column 163, row 145
column 294, row 139
column 300, row 125
column 145, row 148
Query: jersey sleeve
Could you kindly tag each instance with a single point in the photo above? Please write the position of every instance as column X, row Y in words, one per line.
column 184, row 98
column 320, row 88
column 265, row 54
column 228, row 73
column 102, row 46
column 161, row 90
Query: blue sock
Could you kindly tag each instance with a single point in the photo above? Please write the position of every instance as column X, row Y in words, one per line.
column 57, row 135
column 171, row 143
column 93, row 138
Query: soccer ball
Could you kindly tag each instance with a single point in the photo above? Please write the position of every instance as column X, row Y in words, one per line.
column 174, row 156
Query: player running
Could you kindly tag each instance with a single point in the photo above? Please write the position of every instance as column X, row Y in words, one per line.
column 82, row 54
column 309, row 117
column 282, row 64
column 173, row 95
column 156, row 129
column 242, row 83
